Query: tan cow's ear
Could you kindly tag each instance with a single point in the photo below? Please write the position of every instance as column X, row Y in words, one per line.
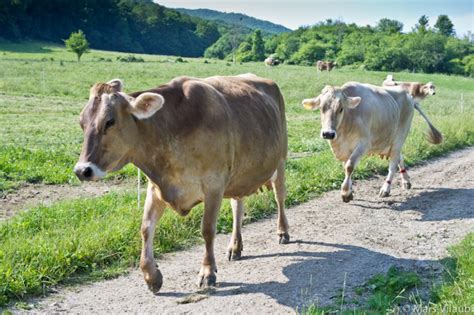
column 353, row 102
column 311, row 103
column 146, row 105
column 116, row 84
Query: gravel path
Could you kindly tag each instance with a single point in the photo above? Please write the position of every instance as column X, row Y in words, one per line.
column 331, row 241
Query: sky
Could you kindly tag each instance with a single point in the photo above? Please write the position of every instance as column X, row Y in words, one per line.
column 295, row 13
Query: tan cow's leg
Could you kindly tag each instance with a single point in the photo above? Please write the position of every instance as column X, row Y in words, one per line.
column 349, row 166
column 212, row 203
column 279, row 189
column 234, row 250
column 403, row 174
column 154, row 209
column 392, row 169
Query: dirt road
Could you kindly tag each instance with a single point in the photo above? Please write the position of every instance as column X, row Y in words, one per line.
column 330, row 241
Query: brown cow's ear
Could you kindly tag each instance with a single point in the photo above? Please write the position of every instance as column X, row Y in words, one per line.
column 116, row 84
column 312, row 103
column 146, row 105
column 353, row 102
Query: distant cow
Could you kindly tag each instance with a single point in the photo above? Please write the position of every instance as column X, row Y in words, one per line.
column 271, row 62
column 197, row 140
column 360, row 119
column 416, row 89
column 325, row 65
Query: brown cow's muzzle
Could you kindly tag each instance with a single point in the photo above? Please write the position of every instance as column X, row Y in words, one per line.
column 88, row 171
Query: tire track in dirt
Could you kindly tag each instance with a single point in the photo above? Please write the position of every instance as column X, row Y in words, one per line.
column 331, row 241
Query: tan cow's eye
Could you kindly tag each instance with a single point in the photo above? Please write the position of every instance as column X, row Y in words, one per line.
column 340, row 110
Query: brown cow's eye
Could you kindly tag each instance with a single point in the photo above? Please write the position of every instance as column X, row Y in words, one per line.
column 340, row 110
column 109, row 123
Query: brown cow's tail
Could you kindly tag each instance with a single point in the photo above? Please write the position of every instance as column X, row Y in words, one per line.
column 434, row 135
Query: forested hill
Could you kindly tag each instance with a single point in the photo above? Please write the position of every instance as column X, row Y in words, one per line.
column 238, row 19
column 121, row 25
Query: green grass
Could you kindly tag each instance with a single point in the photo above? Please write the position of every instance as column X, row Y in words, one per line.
column 41, row 139
column 384, row 293
column 395, row 291
column 457, row 290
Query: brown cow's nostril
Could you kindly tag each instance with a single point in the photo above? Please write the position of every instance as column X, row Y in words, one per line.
column 87, row 172
column 329, row 135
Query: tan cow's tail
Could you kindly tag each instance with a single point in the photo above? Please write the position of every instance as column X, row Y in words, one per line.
column 434, row 136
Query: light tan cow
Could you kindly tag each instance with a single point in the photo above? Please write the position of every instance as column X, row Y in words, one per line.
column 325, row 65
column 359, row 119
column 419, row 91
column 197, row 140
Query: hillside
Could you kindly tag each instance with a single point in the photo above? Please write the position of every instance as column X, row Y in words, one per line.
column 139, row 26
column 236, row 18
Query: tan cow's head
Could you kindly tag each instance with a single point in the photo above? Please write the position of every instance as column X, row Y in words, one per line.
column 428, row 89
column 333, row 103
column 109, row 121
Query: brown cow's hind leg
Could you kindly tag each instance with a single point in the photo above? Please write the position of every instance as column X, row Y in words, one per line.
column 234, row 250
column 279, row 189
column 153, row 211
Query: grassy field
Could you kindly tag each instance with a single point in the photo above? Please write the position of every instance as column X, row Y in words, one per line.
column 42, row 91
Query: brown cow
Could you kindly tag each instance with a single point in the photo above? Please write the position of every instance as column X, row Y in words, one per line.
column 197, row 140
column 419, row 91
column 325, row 65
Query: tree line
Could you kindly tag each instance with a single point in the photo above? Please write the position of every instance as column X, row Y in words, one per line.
column 142, row 26
column 383, row 47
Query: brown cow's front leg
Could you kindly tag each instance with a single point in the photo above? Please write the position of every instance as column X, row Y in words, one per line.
column 349, row 166
column 279, row 189
column 234, row 250
column 153, row 210
column 212, row 203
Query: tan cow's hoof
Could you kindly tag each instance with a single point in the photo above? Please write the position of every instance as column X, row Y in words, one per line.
column 284, row 238
column 407, row 185
column 384, row 193
column 207, row 281
column 155, row 283
column 347, row 198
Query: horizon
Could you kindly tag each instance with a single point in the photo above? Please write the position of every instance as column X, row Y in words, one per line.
column 360, row 12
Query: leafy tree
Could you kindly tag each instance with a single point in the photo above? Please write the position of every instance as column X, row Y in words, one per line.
column 77, row 43
column 258, row 46
column 444, row 25
column 427, row 52
column 389, row 26
column 422, row 25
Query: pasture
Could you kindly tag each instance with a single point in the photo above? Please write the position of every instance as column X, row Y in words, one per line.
column 42, row 91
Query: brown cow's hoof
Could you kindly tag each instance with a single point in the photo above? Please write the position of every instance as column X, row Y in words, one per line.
column 207, row 281
column 284, row 238
column 233, row 254
column 234, row 250
column 347, row 198
column 155, row 283
column 407, row 185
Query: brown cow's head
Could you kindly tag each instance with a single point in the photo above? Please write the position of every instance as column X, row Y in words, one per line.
column 332, row 102
column 109, row 121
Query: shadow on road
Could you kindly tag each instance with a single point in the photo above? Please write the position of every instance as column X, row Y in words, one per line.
column 437, row 204
column 318, row 276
